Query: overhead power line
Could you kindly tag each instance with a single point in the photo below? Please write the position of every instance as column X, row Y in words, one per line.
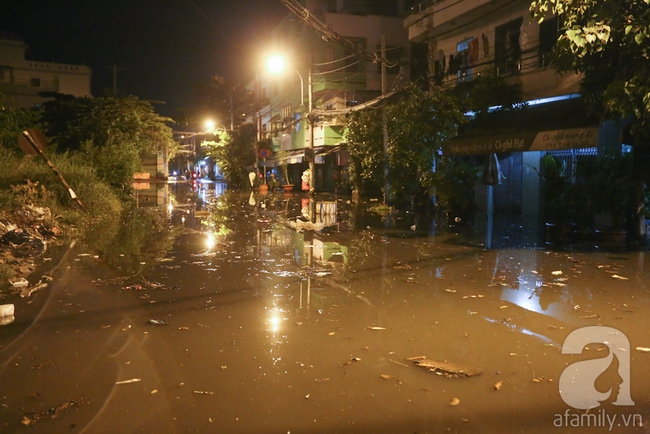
column 328, row 34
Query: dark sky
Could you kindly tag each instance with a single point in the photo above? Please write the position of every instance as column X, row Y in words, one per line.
column 163, row 46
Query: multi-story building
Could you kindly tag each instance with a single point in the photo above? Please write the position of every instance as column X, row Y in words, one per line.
column 330, row 76
column 462, row 39
column 21, row 80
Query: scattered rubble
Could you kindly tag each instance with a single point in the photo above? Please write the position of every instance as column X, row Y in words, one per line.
column 25, row 235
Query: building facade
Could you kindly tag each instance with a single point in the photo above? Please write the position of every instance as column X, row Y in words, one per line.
column 461, row 40
column 324, row 75
column 21, row 80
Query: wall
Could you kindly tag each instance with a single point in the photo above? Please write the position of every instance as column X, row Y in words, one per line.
column 23, row 79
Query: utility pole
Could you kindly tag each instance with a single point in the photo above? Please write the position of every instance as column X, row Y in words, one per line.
column 384, row 120
column 310, row 88
column 312, row 156
column 115, row 69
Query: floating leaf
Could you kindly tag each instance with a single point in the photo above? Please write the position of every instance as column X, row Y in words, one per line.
column 386, row 377
column 616, row 276
column 454, row 401
column 497, row 386
column 644, row 349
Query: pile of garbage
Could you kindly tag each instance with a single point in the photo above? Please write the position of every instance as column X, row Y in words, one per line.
column 25, row 235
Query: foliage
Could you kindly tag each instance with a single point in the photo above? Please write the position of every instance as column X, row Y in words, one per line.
column 608, row 42
column 114, row 132
column 365, row 146
column 453, row 184
column 485, row 91
column 15, row 120
column 36, row 182
column 418, row 122
column 604, row 186
column 558, row 203
column 234, row 154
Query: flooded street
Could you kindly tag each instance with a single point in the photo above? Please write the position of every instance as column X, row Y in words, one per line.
column 247, row 323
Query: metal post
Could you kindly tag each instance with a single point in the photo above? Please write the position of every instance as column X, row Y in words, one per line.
column 384, row 120
column 312, row 187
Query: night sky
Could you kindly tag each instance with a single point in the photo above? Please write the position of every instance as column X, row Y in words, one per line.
column 161, row 46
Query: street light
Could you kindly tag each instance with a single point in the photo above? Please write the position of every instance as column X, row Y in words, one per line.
column 211, row 127
column 277, row 64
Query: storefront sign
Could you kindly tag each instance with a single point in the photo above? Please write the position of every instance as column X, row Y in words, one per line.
column 565, row 139
column 524, row 141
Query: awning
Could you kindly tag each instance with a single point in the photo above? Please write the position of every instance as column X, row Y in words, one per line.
column 552, row 126
column 297, row 155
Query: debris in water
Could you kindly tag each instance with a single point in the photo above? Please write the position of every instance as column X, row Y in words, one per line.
column 386, row 377
column 132, row 380
column 52, row 413
column 644, row 349
column 399, row 363
column 377, row 328
column 556, row 273
column 19, row 282
column 497, row 386
column 202, row 392
column 449, row 370
column 157, row 321
column 454, row 401
column 26, row 292
column 616, row 276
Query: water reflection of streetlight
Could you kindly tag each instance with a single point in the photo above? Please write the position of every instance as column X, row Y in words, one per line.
column 210, row 240
column 275, row 319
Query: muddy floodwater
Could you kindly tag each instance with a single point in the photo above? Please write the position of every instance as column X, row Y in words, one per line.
column 244, row 320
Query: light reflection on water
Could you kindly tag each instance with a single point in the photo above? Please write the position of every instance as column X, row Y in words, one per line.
column 375, row 290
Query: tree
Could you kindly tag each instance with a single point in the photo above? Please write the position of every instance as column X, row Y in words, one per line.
column 364, row 136
column 234, row 153
column 418, row 122
column 485, row 91
column 15, row 120
column 607, row 42
column 113, row 131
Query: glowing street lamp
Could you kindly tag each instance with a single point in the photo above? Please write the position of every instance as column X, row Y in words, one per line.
column 277, row 64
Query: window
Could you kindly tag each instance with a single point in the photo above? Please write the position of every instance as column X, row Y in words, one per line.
column 287, row 111
column 466, row 54
column 35, row 82
column 548, row 34
column 507, row 52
